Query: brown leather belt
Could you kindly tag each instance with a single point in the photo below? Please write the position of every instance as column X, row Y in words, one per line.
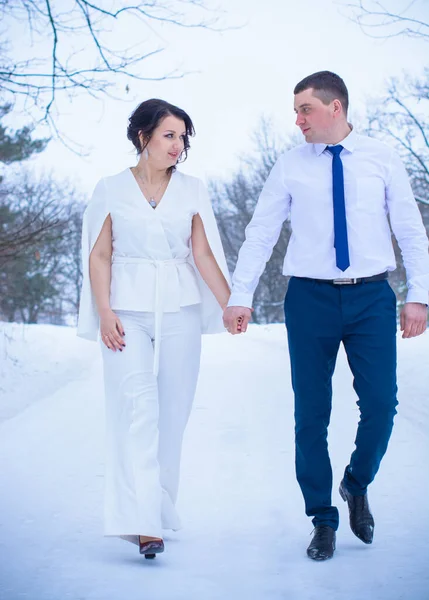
column 350, row 281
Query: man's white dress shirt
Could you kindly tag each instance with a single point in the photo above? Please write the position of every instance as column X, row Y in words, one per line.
column 299, row 186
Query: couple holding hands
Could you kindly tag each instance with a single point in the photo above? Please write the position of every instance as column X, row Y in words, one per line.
column 155, row 278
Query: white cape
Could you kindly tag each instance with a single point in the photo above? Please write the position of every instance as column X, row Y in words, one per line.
column 93, row 220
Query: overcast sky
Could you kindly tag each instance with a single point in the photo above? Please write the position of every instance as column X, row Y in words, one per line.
column 238, row 76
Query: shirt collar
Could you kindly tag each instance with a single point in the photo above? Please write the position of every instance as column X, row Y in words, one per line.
column 349, row 143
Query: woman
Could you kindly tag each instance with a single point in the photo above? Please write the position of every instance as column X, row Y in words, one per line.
column 155, row 278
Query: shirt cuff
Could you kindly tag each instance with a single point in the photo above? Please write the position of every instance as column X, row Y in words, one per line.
column 418, row 295
column 241, row 299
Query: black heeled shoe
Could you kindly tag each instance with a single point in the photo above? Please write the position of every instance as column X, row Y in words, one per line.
column 151, row 548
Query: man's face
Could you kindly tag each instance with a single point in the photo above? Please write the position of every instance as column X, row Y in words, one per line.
column 315, row 119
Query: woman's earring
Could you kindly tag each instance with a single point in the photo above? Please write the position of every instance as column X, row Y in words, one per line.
column 145, row 154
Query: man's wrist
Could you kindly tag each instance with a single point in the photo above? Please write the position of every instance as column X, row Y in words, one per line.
column 415, row 302
column 241, row 299
column 418, row 296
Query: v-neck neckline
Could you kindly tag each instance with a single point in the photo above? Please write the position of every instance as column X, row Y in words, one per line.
column 146, row 201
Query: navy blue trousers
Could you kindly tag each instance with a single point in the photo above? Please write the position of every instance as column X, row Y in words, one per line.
column 319, row 316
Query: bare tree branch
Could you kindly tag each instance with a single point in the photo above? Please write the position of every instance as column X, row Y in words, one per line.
column 80, row 36
column 54, row 57
column 401, row 116
column 27, row 212
column 377, row 21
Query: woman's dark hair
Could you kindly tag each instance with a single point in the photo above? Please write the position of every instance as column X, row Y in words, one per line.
column 327, row 86
column 146, row 118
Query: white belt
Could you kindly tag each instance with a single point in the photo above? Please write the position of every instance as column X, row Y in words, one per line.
column 159, row 293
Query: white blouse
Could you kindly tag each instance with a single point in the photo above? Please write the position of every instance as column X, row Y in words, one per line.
column 152, row 263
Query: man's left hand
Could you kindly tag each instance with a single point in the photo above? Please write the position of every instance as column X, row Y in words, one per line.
column 413, row 319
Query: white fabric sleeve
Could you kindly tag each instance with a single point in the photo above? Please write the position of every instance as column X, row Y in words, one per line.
column 211, row 311
column 407, row 225
column 93, row 220
column 262, row 234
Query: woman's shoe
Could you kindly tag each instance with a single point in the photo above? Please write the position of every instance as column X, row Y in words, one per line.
column 151, row 548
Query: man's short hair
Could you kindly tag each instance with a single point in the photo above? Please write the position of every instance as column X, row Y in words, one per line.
column 327, row 87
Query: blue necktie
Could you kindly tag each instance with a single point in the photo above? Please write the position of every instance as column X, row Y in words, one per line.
column 340, row 223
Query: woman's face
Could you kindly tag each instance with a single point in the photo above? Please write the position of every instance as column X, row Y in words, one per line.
column 167, row 142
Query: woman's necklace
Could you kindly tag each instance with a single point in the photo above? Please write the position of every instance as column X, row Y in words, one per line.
column 151, row 200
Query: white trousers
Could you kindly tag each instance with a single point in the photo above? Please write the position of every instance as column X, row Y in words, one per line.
column 146, row 416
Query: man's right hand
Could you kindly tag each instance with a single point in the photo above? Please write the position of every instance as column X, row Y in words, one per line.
column 236, row 318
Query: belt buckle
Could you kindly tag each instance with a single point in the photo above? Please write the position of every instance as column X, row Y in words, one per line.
column 344, row 281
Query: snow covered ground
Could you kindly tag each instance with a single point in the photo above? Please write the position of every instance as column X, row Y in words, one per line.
column 245, row 530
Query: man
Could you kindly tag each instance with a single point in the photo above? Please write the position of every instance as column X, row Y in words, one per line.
column 338, row 188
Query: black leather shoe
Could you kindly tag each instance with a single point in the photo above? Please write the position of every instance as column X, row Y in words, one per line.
column 322, row 545
column 151, row 548
column 361, row 519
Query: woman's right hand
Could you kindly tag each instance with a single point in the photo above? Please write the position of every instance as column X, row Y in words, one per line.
column 111, row 330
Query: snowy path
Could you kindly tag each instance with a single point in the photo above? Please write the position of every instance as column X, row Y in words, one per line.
column 245, row 533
